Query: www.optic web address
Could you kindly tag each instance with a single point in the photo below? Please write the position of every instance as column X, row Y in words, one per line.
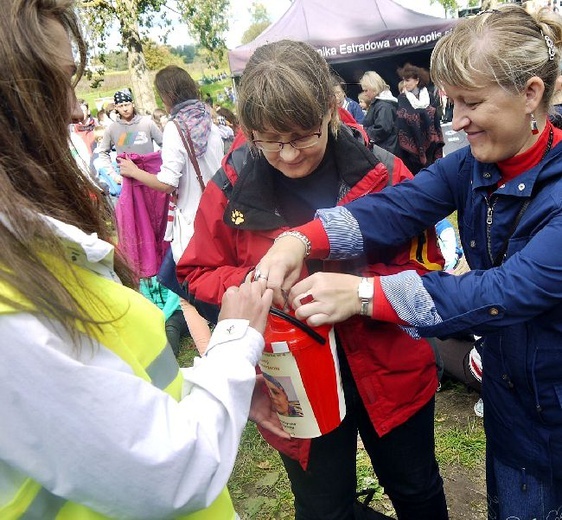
column 354, row 48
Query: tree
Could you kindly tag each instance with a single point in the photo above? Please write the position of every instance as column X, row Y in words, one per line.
column 115, row 60
column 205, row 18
column 450, row 6
column 159, row 56
column 208, row 20
column 96, row 13
column 186, row 52
column 260, row 22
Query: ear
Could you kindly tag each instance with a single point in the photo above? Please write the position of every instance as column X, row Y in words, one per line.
column 533, row 92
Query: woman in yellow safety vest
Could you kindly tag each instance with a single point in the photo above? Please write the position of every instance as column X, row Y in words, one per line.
column 97, row 419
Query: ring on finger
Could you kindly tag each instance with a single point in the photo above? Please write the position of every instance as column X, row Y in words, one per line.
column 258, row 274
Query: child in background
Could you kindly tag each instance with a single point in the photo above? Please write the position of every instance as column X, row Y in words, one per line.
column 364, row 102
column 160, row 117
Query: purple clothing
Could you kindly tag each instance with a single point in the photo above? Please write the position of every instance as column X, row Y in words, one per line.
column 141, row 213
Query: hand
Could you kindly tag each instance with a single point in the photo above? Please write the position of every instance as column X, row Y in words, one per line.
column 326, row 298
column 281, row 267
column 251, row 301
column 127, row 167
column 262, row 411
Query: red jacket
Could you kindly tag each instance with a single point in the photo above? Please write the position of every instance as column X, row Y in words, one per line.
column 236, row 224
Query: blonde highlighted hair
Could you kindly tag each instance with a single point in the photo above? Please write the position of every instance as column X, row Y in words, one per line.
column 374, row 82
column 504, row 46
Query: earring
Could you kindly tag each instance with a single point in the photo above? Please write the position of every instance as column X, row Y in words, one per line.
column 534, row 126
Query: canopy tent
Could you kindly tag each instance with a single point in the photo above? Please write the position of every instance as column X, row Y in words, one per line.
column 357, row 30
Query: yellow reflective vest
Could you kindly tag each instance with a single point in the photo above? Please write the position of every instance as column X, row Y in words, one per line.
column 124, row 314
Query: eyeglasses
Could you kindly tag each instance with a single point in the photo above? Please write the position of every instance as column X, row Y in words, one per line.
column 301, row 143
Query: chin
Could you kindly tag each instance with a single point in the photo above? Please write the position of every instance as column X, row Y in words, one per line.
column 296, row 173
column 483, row 156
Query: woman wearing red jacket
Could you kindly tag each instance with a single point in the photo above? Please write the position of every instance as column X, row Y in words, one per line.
column 295, row 156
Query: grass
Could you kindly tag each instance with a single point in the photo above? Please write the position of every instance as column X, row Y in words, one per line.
column 259, row 486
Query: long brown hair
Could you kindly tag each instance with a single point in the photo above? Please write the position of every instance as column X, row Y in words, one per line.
column 38, row 175
column 176, row 85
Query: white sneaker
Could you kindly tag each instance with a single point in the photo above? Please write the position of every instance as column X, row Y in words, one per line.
column 479, row 408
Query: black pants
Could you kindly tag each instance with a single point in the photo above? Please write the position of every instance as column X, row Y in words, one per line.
column 176, row 328
column 403, row 460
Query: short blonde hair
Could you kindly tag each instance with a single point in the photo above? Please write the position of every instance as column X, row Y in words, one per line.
column 286, row 84
column 373, row 81
column 363, row 97
column 506, row 46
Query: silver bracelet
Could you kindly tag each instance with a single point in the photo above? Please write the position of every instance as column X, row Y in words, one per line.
column 297, row 234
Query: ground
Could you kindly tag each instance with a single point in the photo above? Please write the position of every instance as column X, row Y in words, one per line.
column 465, row 488
column 260, row 488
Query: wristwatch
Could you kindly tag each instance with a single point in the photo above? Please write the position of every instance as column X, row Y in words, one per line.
column 365, row 292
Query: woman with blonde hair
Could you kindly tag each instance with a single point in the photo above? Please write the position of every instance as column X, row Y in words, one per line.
column 96, row 421
column 295, row 155
column 500, row 68
column 380, row 119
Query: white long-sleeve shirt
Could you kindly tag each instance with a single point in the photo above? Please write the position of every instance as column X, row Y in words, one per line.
column 80, row 422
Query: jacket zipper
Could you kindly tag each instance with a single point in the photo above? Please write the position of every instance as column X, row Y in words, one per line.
column 489, row 220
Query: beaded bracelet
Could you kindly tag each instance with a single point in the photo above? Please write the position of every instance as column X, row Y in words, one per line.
column 303, row 238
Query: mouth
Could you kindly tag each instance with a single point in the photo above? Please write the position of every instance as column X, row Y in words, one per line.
column 293, row 164
column 471, row 136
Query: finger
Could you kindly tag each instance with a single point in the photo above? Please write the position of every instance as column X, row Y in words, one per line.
column 274, row 279
column 316, row 319
column 301, row 289
column 262, row 311
column 280, row 298
column 307, row 298
column 267, row 299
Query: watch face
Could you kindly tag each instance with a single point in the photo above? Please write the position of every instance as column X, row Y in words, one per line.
column 365, row 290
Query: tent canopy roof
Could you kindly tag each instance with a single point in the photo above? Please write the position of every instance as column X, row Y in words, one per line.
column 363, row 29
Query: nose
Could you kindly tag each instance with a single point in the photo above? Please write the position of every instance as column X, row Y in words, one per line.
column 76, row 115
column 288, row 153
column 460, row 119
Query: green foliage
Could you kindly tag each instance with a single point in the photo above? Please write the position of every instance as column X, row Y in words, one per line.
column 450, row 6
column 159, row 56
column 208, row 20
column 252, row 32
column 259, row 13
column 260, row 22
column 130, row 14
column 115, row 60
column 186, row 52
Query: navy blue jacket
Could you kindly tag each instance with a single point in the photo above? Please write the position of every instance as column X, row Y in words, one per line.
column 517, row 307
column 380, row 124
